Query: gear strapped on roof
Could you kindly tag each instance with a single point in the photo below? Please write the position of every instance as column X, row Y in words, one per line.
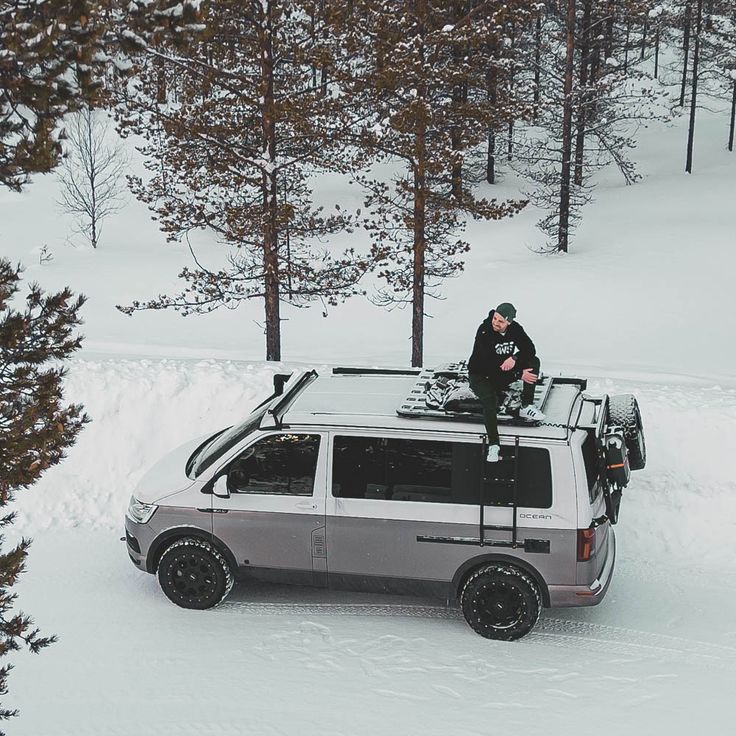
column 445, row 392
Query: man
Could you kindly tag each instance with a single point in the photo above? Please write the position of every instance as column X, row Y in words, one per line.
column 502, row 353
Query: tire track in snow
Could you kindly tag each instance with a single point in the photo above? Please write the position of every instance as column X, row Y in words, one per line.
column 625, row 641
column 618, row 641
column 341, row 609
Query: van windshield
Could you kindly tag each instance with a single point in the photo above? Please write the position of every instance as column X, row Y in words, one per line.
column 224, row 441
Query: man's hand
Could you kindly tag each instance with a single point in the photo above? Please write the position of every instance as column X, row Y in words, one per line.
column 508, row 364
column 527, row 376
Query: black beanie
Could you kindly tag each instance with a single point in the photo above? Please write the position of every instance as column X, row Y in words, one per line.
column 507, row 311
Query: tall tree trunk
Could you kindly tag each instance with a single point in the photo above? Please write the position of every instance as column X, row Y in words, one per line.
column 564, row 223
column 656, row 53
column 510, row 141
column 626, row 46
column 323, row 71
column 491, row 158
column 685, row 52
column 644, row 30
column 610, row 27
column 459, row 97
column 456, row 175
column 456, row 141
column 537, row 63
column 694, row 92
column 420, row 204
column 733, row 117
column 491, row 155
column 161, row 89
column 584, row 97
column 269, row 191
column 313, row 36
column 420, row 208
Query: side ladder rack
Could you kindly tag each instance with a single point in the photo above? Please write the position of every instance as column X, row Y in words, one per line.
column 497, row 482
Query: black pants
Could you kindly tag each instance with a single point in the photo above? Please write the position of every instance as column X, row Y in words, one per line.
column 489, row 389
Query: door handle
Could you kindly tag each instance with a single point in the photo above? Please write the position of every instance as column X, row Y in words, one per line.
column 307, row 505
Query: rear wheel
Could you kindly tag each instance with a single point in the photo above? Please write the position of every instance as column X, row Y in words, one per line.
column 194, row 574
column 501, row 602
column 623, row 411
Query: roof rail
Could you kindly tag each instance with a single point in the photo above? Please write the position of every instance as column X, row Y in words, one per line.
column 351, row 371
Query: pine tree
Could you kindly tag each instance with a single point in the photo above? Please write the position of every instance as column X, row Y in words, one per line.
column 36, row 427
column 245, row 117
column 420, row 67
column 55, row 56
column 717, row 58
column 589, row 107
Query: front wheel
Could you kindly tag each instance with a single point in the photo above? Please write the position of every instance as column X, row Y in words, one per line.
column 500, row 602
column 194, row 574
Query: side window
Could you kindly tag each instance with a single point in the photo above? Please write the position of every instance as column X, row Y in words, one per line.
column 359, row 468
column 534, row 482
column 280, row 464
column 391, row 469
column 590, row 458
column 438, row 472
column 420, row 470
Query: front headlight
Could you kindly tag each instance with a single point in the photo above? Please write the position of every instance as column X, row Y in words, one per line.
column 139, row 512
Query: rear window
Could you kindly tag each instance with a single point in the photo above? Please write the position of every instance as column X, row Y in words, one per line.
column 436, row 472
column 590, row 458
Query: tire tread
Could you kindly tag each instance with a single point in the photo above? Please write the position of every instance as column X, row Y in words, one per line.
column 211, row 549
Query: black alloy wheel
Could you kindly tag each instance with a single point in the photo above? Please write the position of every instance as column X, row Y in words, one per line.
column 500, row 602
column 194, row 574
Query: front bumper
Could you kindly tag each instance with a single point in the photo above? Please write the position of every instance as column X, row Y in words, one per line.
column 566, row 596
column 137, row 540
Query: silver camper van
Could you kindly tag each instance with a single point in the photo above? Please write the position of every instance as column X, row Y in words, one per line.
column 376, row 480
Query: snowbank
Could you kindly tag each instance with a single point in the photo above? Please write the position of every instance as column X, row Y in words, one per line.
column 140, row 409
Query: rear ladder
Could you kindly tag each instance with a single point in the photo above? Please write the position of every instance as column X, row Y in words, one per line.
column 528, row 544
column 487, row 482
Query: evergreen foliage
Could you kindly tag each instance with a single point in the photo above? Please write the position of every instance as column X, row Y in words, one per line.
column 235, row 125
column 36, row 427
column 422, row 81
column 595, row 94
column 55, row 55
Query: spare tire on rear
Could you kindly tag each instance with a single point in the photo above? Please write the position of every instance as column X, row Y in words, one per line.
column 623, row 411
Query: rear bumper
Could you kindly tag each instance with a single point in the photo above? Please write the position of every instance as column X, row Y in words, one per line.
column 565, row 596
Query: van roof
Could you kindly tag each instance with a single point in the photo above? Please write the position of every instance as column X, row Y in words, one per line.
column 371, row 399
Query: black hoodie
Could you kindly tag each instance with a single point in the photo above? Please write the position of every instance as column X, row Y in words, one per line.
column 492, row 348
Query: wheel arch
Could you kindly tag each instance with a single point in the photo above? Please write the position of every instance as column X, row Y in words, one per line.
column 471, row 565
column 163, row 540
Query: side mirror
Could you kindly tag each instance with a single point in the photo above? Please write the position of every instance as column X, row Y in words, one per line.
column 220, row 487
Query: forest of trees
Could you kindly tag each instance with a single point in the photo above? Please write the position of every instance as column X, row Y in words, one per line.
column 241, row 105
column 241, row 116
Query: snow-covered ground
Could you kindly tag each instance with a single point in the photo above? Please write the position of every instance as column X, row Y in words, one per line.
column 644, row 303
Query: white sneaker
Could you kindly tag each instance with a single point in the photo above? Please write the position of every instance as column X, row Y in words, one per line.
column 531, row 412
column 492, row 456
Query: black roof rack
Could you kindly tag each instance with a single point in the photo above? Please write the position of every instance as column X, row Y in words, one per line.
column 352, row 371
